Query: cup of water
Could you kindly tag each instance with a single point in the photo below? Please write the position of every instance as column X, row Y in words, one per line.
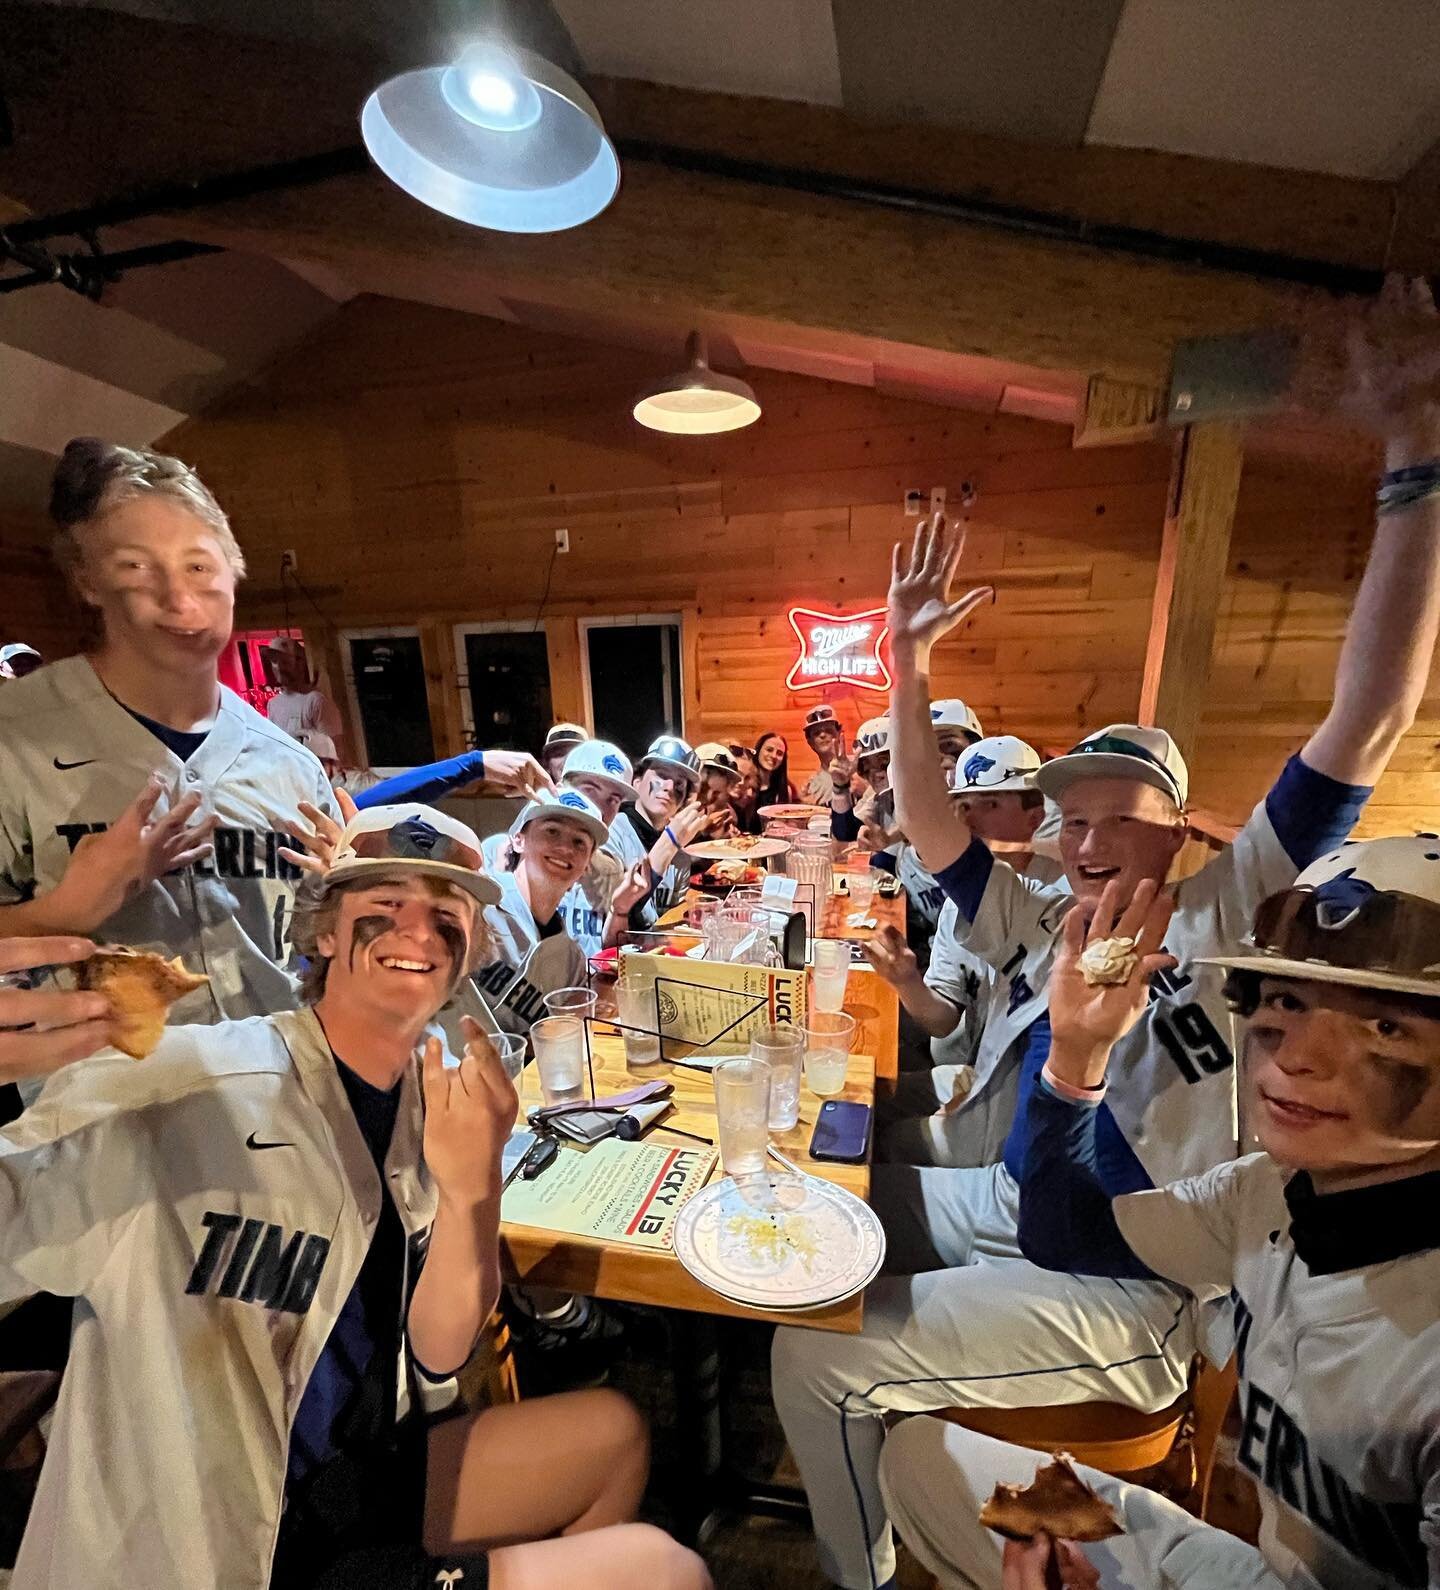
column 862, row 890
column 742, row 1113
column 782, row 1048
column 829, row 1037
column 830, row 961
column 510, row 1047
column 559, row 1043
column 635, row 1000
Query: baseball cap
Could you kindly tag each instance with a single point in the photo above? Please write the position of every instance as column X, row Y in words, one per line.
column 1121, row 750
column 396, row 841
column 1000, row 765
column 872, row 738
column 952, row 713
column 673, row 757
column 18, row 648
column 569, row 803
column 818, row 716
column 565, row 734
column 292, row 645
column 717, row 758
column 607, row 764
column 320, row 743
column 1367, row 915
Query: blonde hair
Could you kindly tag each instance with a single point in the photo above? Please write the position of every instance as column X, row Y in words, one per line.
column 94, row 476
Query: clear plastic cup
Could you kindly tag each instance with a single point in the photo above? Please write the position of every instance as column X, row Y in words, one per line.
column 782, row 1048
column 510, row 1047
column 830, row 960
column 636, row 1002
column 829, row 1037
column 862, row 890
column 742, row 1113
column 559, row 1043
column 571, row 1002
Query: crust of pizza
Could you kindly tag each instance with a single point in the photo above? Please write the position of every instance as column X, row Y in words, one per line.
column 1057, row 1500
column 141, row 988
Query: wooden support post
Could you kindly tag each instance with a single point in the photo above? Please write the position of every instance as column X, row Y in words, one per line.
column 1204, row 485
column 567, row 684
column 442, row 688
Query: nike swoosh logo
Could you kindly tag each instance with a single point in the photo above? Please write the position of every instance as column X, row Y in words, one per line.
column 65, row 767
column 251, row 1143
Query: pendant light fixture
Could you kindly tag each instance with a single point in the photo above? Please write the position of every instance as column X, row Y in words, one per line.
column 500, row 137
column 697, row 401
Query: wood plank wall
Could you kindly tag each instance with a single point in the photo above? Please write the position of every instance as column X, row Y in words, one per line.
column 419, row 461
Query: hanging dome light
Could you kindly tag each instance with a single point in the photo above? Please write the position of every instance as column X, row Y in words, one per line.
column 697, row 401
column 499, row 138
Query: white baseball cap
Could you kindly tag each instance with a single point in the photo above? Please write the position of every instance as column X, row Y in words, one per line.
column 952, row 713
column 569, row 803
column 872, row 738
column 607, row 764
column 18, row 648
column 391, row 841
column 1121, row 750
column 1001, row 765
column 1367, row 915
column 565, row 734
column 319, row 742
column 717, row 758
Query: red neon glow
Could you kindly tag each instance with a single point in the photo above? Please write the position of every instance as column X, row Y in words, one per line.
column 839, row 649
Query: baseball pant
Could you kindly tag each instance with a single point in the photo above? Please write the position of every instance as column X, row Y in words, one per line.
column 910, row 1132
column 935, row 1478
column 989, row 1330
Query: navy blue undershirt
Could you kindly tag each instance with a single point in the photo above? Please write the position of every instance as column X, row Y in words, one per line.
column 183, row 742
column 351, row 1394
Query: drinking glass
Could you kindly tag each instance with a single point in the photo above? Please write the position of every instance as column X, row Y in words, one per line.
column 809, row 863
column 571, row 1002
column 636, row 1000
column 510, row 1047
column 828, row 1038
column 782, row 1048
column 742, row 1113
column 862, row 890
column 559, row 1043
column 831, row 963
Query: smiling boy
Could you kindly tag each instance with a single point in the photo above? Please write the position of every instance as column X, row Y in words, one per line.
column 1328, row 1240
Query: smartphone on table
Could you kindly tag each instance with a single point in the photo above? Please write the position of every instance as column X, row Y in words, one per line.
column 842, row 1132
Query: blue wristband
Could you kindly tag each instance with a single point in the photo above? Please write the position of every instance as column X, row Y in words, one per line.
column 670, row 835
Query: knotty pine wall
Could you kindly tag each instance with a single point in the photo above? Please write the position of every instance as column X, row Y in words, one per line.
column 419, row 461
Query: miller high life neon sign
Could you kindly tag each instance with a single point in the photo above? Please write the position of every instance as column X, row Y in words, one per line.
column 839, row 649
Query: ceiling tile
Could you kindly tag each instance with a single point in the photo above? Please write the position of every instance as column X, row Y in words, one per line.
column 1013, row 68
column 1316, row 85
column 783, row 49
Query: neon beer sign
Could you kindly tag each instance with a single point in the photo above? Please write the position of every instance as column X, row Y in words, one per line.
column 838, row 649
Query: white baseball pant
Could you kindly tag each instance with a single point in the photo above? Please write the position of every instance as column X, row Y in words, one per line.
column 935, row 1478
column 911, row 1132
column 989, row 1330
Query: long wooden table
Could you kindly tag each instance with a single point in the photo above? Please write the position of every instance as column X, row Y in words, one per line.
column 627, row 1274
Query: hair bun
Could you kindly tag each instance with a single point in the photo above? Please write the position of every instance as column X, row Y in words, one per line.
column 80, row 477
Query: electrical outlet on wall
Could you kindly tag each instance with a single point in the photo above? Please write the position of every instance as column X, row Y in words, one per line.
column 913, row 499
column 562, row 541
column 937, row 499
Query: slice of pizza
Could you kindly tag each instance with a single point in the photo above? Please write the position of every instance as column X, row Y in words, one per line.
column 1057, row 1500
column 141, row 987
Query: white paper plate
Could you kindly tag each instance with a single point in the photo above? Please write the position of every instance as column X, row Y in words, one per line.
column 815, row 1245
column 750, row 849
column 786, row 813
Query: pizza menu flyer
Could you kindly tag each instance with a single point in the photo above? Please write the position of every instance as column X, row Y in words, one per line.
column 614, row 1191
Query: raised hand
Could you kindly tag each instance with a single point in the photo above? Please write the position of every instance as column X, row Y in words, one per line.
column 108, row 868
column 320, row 841
column 517, row 773
column 1087, row 1020
column 875, row 836
column 469, row 1112
column 1378, row 364
column 44, row 1029
column 842, row 771
column 692, row 820
column 632, row 889
column 920, row 611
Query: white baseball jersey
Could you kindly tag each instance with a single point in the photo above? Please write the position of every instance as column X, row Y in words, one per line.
column 819, row 787
column 523, row 965
column 72, row 758
column 627, row 847
column 586, row 906
column 1339, row 1373
column 211, row 1207
column 296, row 711
column 1172, row 1076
